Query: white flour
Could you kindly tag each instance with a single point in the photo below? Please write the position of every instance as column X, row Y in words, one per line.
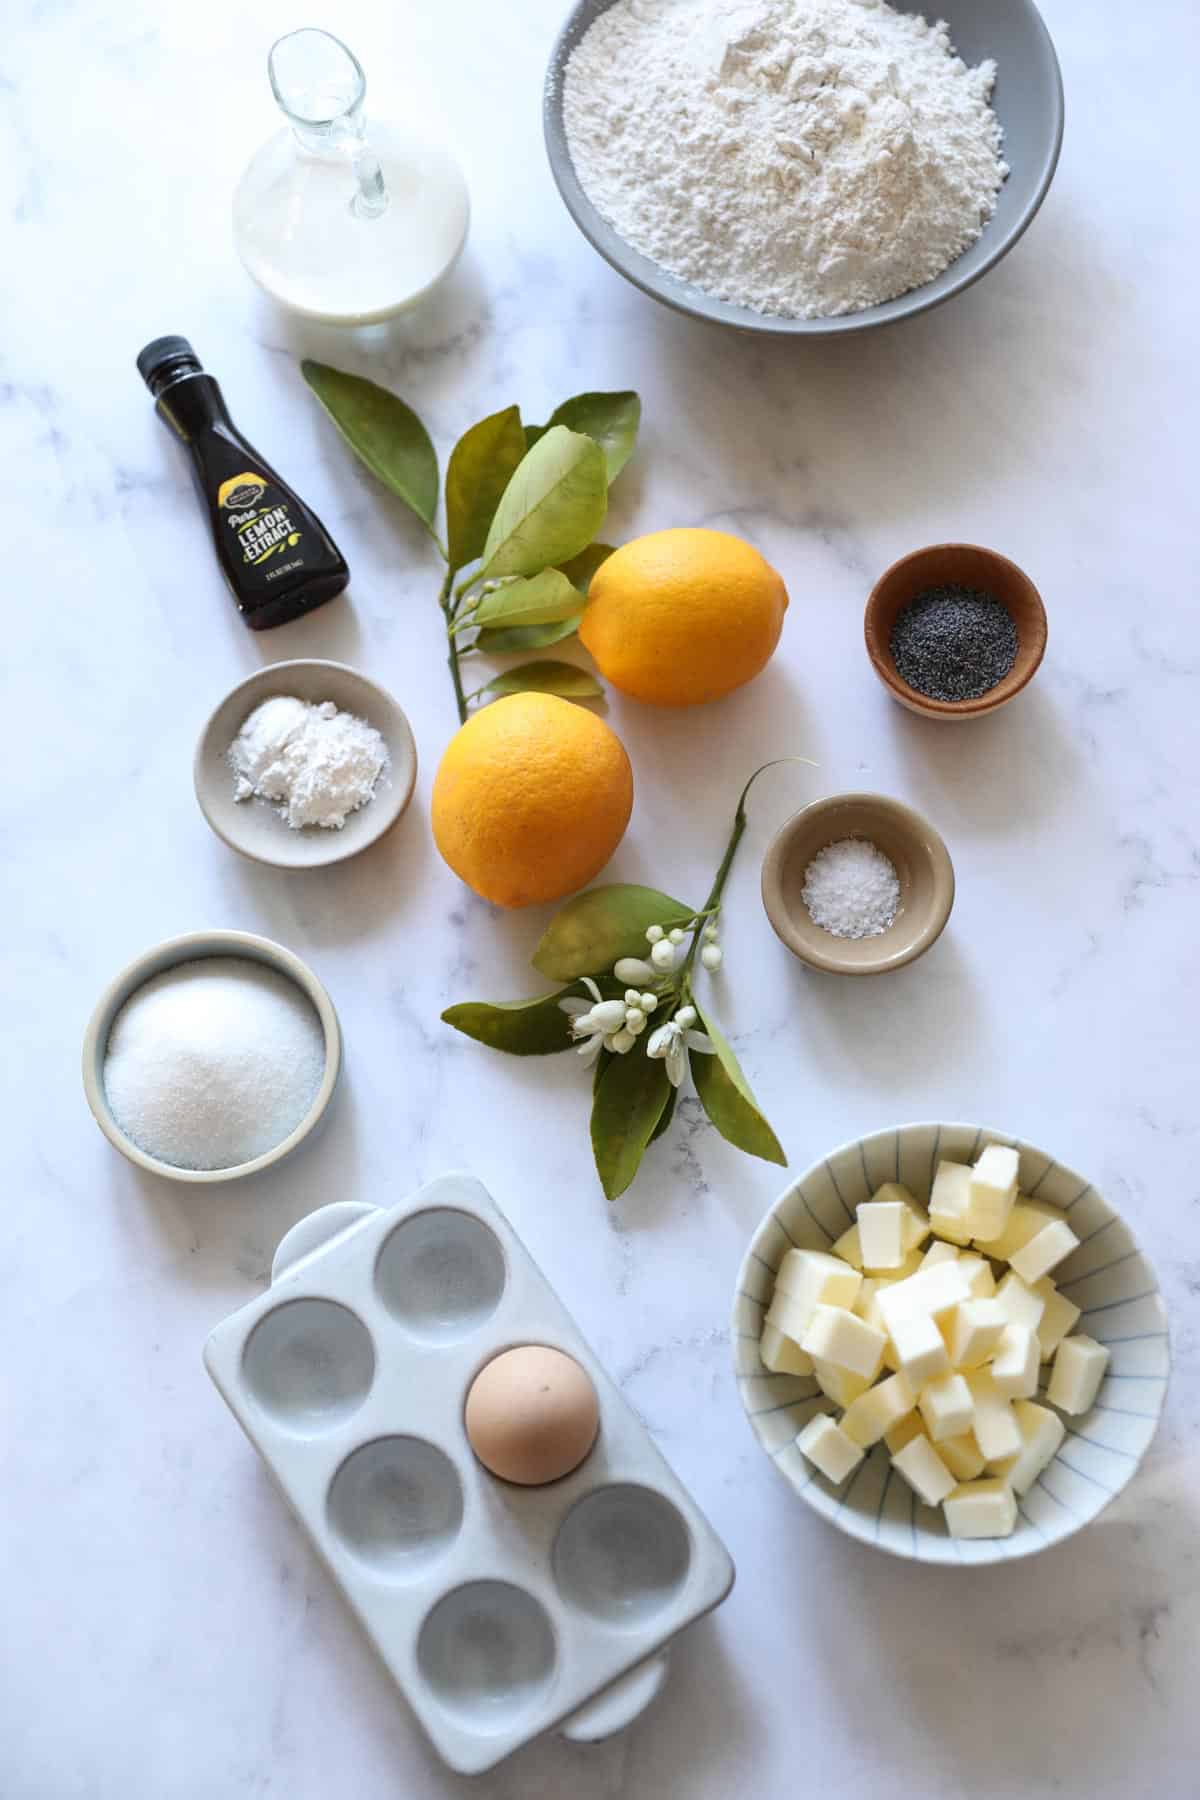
column 318, row 763
column 801, row 157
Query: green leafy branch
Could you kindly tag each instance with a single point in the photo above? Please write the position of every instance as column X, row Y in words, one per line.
column 628, row 957
column 523, row 504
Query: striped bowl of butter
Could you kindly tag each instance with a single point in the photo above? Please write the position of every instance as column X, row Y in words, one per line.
column 1088, row 1414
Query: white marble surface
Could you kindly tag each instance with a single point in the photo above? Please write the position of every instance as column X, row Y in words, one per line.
column 166, row 1633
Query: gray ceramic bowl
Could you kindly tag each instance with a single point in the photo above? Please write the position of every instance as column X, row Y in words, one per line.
column 254, row 827
column 1028, row 101
column 192, row 947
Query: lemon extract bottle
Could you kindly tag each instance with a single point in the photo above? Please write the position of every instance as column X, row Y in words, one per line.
column 276, row 555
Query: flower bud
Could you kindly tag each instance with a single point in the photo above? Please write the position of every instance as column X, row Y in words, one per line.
column 632, row 997
column 630, row 969
column 710, row 932
column 686, row 1016
column 654, row 934
column 663, row 955
column 620, row 1042
column 712, row 957
column 676, row 936
column 609, row 1015
column 648, row 1002
column 635, row 1020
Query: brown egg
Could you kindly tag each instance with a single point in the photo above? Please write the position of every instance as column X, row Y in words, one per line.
column 532, row 1415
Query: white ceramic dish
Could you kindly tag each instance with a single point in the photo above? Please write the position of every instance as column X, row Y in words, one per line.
column 1108, row 1276
column 192, row 947
column 254, row 827
column 500, row 1611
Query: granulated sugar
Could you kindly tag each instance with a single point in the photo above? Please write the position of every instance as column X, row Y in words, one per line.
column 801, row 157
column 851, row 889
column 214, row 1062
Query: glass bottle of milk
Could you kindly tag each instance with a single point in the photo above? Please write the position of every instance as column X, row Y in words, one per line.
column 336, row 222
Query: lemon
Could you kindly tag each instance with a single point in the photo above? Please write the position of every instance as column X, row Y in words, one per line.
column 531, row 798
column 680, row 617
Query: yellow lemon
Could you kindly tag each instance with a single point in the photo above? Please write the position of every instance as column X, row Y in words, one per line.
column 531, row 799
column 683, row 616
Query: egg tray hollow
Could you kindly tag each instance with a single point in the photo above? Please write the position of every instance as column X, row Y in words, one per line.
column 500, row 1611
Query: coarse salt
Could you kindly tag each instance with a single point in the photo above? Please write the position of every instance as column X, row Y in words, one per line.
column 851, row 889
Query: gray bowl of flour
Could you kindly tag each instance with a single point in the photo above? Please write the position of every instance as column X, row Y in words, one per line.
column 649, row 172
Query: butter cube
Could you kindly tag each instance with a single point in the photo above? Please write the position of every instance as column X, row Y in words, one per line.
column 924, row 1470
column 975, row 1330
column 839, row 1385
column 867, row 1307
column 816, row 1278
column 978, row 1271
column 1079, row 1365
column 981, row 1509
column 992, row 1191
column 829, row 1449
column 792, row 1307
column 931, row 1291
column 1044, row 1252
column 949, row 1202
column 781, row 1355
column 787, row 1315
column 1060, row 1316
column 962, row 1456
column 915, row 1227
column 1021, row 1305
column 995, row 1425
column 946, row 1407
column 939, row 1252
column 875, row 1412
column 920, row 1349
column 910, row 1265
column 880, row 1233
column 849, row 1248
column 1026, row 1219
column 1015, row 1363
column 842, row 1338
column 1041, row 1433
column 903, row 1432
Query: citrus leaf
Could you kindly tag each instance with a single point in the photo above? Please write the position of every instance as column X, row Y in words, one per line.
column 668, row 1113
column 627, row 1104
column 533, row 433
column 562, row 678
column 581, row 568
column 591, row 931
column 726, row 1098
column 543, row 599
column 610, row 420
column 552, row 507
column 383, row 433
column 534, row 1027
column 525, row 637
column 480, row 468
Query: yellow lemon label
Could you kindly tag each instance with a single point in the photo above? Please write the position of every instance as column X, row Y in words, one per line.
column 242, row 491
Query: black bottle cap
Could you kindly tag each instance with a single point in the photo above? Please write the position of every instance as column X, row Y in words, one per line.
column 161, row 353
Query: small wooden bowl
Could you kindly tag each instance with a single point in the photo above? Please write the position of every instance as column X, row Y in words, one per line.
column 967, row 565
column 910, row 842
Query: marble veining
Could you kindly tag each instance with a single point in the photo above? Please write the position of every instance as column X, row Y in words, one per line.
column 167, row 1635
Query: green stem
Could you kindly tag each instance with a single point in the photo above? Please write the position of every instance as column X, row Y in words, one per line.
column 446, row 604
column 712, row 905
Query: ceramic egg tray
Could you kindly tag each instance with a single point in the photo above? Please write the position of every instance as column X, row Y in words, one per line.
column 500, row 1611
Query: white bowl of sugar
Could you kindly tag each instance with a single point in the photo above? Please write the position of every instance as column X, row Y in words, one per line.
column 211, row 1057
